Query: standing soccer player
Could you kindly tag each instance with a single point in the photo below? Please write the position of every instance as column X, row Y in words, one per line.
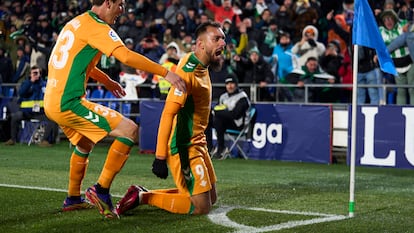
column 181, row 140
column 73, row 60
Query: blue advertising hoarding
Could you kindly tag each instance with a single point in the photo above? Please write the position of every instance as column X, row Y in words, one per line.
column 384, row 137
column 281, row 132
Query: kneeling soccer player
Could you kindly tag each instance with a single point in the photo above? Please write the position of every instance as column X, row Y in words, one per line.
column 181, row 139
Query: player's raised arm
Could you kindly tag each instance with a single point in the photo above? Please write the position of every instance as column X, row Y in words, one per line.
column 138, row 61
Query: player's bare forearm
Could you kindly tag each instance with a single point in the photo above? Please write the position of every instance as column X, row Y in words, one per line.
column 111, row 85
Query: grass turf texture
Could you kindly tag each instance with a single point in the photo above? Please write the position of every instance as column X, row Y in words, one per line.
column 384, row 196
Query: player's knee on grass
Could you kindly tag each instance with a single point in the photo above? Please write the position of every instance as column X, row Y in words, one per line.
column 202, row 203
column 213, row 195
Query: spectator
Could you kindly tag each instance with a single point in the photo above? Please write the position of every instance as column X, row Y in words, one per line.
column 391, row 29
column 138, row 31
column 129, row 76
column 22, row 66
column 310, row 73
column 169, row 60
column 44, row 29
column 306, row 14
column 203, row 17
column 405, row 39
column 225, row 11
column 254, row 69
column 191, row 19
column 368, row 72
column 282, row 53
column 308, row 46
column 159, row 12
column 31, row 101
column 151, row 48
column 338, row 30
column 231, row 112
column 260, row 7
column 253, row 34
column 6, row 67
column 285, row 17
column 330, row 62
column 39, row 55
column 145, row 9
column 270, row 40
column 345, row 72
column 180, row 25
column 405, row 12
column 172, row 11
column 123, row 27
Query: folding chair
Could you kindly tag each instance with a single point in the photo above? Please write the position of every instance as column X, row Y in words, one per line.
column 32, row 131
column 236, row 136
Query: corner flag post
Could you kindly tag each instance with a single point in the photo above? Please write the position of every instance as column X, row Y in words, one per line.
column 353, row 135
column 365, row 32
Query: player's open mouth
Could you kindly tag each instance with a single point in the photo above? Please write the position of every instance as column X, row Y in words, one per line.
column 219, row 53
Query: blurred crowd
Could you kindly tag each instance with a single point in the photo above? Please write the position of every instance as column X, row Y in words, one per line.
column 295, row 42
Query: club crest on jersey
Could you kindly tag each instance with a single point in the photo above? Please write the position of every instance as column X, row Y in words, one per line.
column 113, row 35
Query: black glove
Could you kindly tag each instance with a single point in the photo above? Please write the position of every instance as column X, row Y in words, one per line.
column 159, row 168
column 312, row 42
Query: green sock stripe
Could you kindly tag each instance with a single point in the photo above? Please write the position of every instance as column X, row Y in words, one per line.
column 191, row 209
column 126, row 141
column 77, row 152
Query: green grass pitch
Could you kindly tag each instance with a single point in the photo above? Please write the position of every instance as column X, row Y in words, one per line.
column 254, row 196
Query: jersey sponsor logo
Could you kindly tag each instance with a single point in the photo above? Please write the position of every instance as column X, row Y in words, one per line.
column 178, row 92
column 190, row 65
column 92, row 117
column 113, row 35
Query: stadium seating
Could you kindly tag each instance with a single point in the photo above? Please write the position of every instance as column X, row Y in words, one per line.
column 98, row 93
column 111, row 104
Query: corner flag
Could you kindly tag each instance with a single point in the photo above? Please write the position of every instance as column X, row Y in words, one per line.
column 365, row 32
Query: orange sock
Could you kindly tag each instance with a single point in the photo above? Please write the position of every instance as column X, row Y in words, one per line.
column 170, row 200
column 117, row 156
column 78, row 165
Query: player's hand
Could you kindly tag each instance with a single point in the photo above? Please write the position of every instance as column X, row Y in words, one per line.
column 116, row 88
column 159, row 168
column 176, row 81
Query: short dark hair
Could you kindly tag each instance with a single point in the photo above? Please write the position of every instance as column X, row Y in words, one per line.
column 311, row 59
column 99, row 2
column 202, row 28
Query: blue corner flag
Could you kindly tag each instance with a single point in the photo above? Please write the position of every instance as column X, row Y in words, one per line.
column 365, row 32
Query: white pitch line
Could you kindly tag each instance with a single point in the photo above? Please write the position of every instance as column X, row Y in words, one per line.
column 41, row 188
column 219, row 216
column 32, row 187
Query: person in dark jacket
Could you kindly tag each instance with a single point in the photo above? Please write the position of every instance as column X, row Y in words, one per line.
column 30, row 100
column 231, row 112
column 254, row 69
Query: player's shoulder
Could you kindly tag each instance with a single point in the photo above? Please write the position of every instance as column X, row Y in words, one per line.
column 189, row 62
